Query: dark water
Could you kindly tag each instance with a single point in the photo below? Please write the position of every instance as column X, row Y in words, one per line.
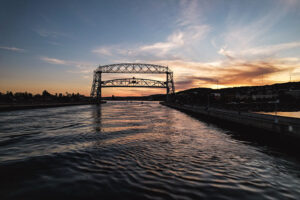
column 134, row 151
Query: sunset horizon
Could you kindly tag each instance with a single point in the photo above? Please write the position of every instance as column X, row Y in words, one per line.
column 133, row 92
column 57, row 46
column 149, row 99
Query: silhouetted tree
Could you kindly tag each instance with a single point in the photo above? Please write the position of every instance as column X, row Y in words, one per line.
column 46, row 93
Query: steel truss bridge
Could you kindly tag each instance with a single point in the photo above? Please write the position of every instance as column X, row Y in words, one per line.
column 132, row 68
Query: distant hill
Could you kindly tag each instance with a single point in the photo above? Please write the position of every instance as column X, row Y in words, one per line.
column 280, row 96
column 243, row 89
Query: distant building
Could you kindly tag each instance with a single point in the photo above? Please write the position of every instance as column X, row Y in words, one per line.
column 263, row 96
column 216, row 95
column 242, row 96
column 294, row 93
column 255, row 95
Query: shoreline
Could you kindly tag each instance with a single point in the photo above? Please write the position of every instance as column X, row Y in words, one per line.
column 7, row 108
column 271, row 125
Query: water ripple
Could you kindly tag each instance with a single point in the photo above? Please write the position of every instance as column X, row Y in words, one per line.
column 129, row 150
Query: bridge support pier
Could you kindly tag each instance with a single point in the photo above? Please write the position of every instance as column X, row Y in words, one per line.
column 167, row 85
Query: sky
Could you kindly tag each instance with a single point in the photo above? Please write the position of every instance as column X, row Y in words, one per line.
column 56, row 45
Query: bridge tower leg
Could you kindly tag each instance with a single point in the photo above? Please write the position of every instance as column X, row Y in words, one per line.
column 167, row 85
column 99, row 87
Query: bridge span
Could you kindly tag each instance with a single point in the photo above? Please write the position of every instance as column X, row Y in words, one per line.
column 134, row 82
column 132, row 68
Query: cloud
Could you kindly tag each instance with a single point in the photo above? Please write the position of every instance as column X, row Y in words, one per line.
column 106, row 51
column 184, row 84
column 190, row 13
column 118, row 52
column 55, row 61
column 249, row 73
column 175, row 40
column 245, row 32
column 231, row 72
column 51, row 34
column 55, row 43
column 245, row 60
column 271, row 48
column 267, row 50
column 172, row 48
column 81, row 67
column 189, row 32
column 179, row 39
column 12, row 49
column 194, row 81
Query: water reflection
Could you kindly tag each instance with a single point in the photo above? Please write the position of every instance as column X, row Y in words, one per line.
column 125, row 150
column 97, row 115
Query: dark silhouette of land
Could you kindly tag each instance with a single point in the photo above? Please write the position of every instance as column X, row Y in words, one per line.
column 24, row 100
column 276, row 97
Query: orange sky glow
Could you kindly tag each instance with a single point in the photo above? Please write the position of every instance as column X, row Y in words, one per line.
column 205, row 43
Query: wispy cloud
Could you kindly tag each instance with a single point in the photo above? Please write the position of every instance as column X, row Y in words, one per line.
column 171, row 48
column 55, row 43
column 55, row 61
column 267, row 50
column 189, row 31
column 246, row 59
column 242, row 32
column 190, row 13
column 181, row 38
column 51, row 34
column 106, row 51
column 231, row 72
column 80, row 67
column 173, row 41
column 245, row 62
column 12, row 49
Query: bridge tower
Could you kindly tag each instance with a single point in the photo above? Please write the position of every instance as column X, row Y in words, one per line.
column 132, row 68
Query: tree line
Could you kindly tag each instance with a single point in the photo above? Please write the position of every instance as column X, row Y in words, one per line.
column 46, row 97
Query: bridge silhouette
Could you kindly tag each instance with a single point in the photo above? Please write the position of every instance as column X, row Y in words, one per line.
column 132, row 68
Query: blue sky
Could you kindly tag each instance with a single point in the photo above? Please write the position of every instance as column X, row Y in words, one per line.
column 56, row 45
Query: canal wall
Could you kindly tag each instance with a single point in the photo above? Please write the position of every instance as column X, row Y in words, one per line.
column 270, row 123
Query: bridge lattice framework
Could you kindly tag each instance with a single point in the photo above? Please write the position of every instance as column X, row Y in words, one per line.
column 132, row 68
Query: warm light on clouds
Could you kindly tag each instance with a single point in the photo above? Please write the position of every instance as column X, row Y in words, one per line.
column 174, row 41
column 55, row 61
column 205, row 43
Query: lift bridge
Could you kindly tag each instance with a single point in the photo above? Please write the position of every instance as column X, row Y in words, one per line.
column 132, row 68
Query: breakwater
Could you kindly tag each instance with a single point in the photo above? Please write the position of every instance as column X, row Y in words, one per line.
column 283, row 126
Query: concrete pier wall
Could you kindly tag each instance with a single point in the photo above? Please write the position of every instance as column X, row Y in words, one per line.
column 270, row 123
